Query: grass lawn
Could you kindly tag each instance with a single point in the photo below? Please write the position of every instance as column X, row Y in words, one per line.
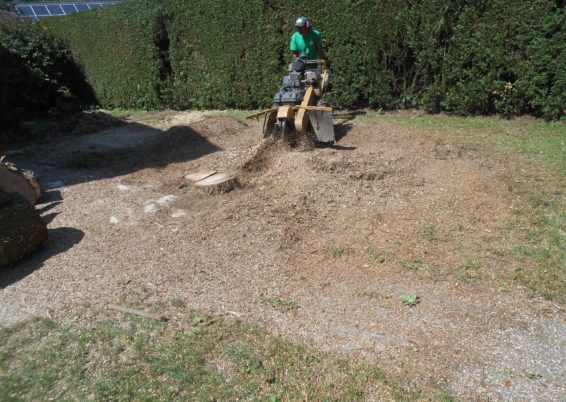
column 97, row 354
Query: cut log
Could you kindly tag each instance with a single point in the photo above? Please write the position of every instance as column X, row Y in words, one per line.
column 21, row 228
column 24, row 182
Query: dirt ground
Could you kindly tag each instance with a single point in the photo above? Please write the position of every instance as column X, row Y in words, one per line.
column 317, row 245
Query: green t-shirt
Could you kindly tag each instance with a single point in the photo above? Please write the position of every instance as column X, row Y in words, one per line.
column 308, row 44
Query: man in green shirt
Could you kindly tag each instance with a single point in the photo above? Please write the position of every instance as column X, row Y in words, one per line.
column 307, row 40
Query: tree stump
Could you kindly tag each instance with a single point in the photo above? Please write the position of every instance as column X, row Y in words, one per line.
column 213, row 182
column 219, row 183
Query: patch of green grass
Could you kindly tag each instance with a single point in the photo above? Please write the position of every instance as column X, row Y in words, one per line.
column 120, row 112
column 532, row 376
column 337, row 252
column 281, row 304
column 237, row 114
column 148, row 117
column 544, row 141
column 410, row 300
column 470, row 270
column 411, row 392
column 414, row 265
column 196, row 356
column 538, row 243
column 428, row 231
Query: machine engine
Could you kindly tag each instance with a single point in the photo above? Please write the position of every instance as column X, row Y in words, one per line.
column 302, row 74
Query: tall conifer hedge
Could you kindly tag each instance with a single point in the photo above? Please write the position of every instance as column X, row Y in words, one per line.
column 468, row 57
column 115, row 47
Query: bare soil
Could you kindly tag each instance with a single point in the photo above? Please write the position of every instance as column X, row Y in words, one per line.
column 337, row 233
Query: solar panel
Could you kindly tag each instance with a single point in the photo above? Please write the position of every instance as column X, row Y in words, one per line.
column 69, row 8
column 81, row 6
column 25, row 10
column 55, row 9
column 39, row 10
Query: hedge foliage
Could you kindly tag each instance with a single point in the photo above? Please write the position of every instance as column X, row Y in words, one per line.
column 115, row 47
column 33, row 68
column 467, row 57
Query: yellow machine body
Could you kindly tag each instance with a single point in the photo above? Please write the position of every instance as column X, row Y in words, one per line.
column 303, row 118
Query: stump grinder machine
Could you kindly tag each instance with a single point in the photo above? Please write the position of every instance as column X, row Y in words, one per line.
column 298, row 108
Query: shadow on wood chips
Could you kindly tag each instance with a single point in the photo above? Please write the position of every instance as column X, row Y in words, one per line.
column 59, row 241
column 104, row 153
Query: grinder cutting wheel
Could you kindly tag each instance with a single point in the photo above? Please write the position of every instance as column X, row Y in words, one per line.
column 298, row 107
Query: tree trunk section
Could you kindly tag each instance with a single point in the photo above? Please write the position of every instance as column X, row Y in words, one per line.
column 23, row 182
column 21, row 228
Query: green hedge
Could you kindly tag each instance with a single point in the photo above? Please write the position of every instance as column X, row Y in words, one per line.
column 467, row 57
column 32, row 67
column 494, row 61
column 115, row 47
column 224, row 54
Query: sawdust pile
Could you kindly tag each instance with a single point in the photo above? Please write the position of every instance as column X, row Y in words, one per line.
column 339, row 233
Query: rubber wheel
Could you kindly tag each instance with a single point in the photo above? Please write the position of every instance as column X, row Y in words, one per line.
column 284, row 129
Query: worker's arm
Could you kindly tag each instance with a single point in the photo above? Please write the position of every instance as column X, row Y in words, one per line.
column 294, row 48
